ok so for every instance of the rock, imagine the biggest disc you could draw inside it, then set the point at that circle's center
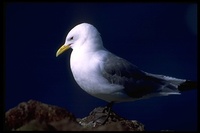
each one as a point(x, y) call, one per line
point(34, 110)
point(36, 125)
point(66, 125)
point(114, 122)
point(37, 116)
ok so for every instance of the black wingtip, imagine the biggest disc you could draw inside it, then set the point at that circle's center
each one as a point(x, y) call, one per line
point(188, 85)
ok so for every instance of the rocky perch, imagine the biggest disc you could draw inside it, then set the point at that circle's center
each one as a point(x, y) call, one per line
point(37, 116)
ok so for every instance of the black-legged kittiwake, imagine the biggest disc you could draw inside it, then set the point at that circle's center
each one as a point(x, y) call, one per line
point(104, 75)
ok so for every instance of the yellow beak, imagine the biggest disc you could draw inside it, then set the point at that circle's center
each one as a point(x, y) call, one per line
point(62, 49)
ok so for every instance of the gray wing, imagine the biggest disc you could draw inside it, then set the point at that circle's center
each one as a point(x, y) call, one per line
point(136, 83)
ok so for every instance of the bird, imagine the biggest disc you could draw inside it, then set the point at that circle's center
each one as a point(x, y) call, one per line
point(109, 77)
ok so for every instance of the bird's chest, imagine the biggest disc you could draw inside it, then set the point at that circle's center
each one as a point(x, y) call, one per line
point(85, 69)
point(82, 64)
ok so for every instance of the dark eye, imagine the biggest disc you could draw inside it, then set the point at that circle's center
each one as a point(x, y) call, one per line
point(71, 38)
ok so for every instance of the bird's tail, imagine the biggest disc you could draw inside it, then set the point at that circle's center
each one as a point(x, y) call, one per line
point(180, 84)
point(187, 85)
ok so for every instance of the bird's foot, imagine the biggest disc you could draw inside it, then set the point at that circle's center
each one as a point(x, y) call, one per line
point(102, 118)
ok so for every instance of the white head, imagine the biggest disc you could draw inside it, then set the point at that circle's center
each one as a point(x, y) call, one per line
point(83, 35)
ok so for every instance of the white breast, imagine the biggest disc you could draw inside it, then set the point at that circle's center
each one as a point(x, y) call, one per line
point(87, 73)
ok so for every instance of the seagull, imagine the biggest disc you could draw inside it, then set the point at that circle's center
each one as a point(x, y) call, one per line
point(109, 77)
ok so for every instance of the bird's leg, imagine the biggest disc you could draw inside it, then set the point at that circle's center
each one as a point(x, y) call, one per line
point(108, 109)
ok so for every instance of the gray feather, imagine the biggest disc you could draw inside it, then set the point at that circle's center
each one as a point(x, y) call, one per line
point(136, 83)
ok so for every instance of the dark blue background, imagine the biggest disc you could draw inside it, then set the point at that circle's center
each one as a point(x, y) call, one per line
point(160, 38)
